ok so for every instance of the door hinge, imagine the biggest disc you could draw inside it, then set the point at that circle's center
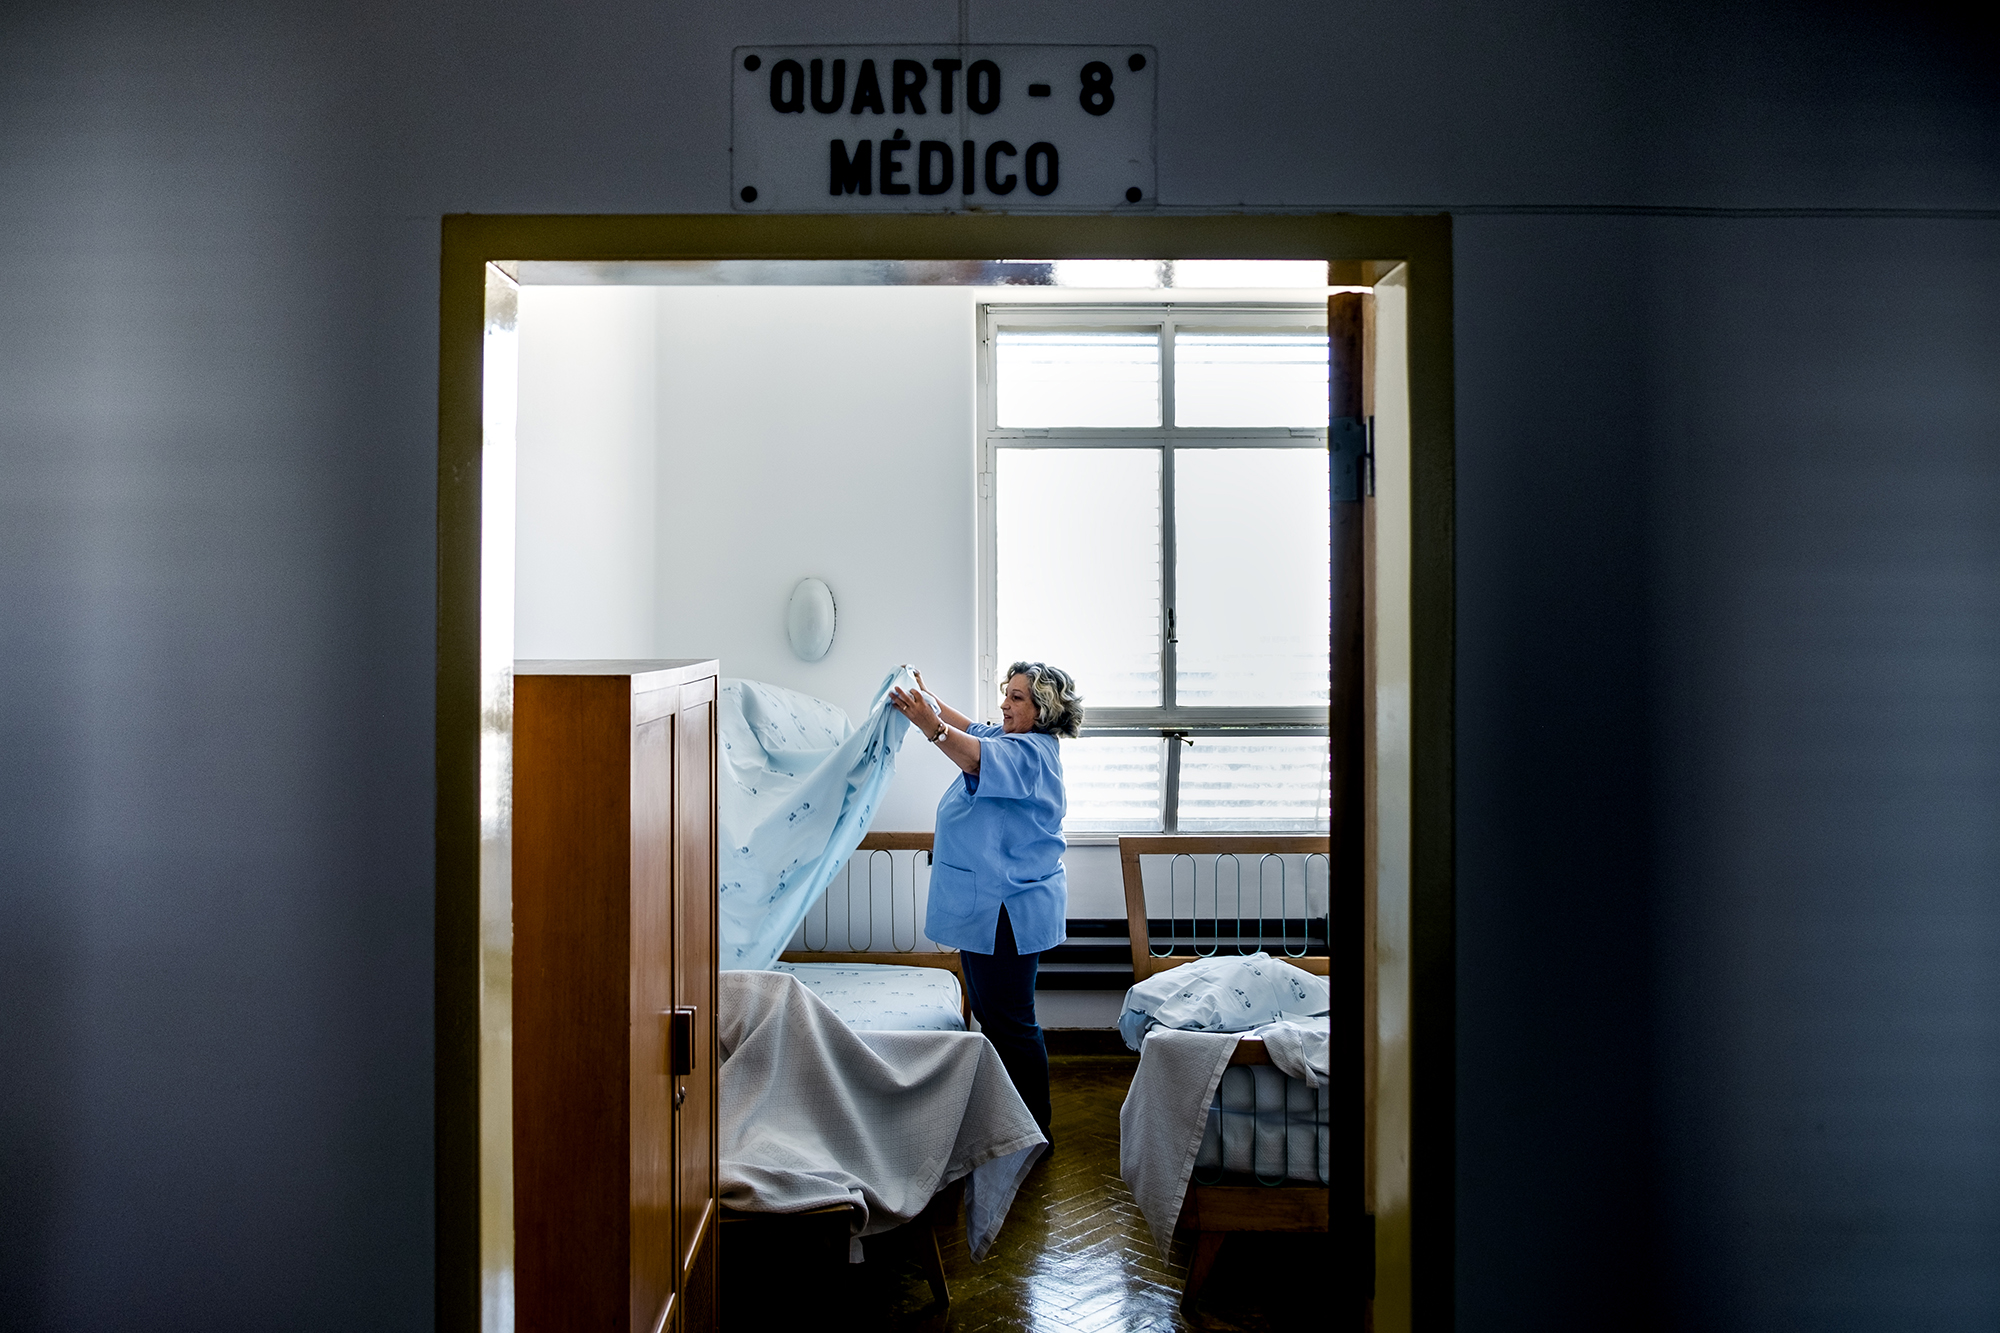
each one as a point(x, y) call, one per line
point(1368, 456)
point(986, 485)
point(1349, 444)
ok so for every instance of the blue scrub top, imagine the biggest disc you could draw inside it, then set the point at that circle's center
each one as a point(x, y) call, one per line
point(999, 842)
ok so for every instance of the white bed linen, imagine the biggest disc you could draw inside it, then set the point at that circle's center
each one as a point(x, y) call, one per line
point(1302, 1047)
point(1225, 993)
point(815, 1113)
point(1161, 1124)
point(882, 997)
point(1176, 1115)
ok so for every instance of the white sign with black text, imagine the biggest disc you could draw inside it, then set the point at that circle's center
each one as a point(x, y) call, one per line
point(821, 129)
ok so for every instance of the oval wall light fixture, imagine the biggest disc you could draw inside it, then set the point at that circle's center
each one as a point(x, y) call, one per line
point(809, 619)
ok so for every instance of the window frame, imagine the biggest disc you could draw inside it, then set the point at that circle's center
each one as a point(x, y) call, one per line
point(1168, 720)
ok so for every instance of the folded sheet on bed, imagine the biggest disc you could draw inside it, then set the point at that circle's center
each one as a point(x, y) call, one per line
point(1226, 993)
point(1301, 1047)
point(1161, 1123)
point(815, 1113)
point(881, 997)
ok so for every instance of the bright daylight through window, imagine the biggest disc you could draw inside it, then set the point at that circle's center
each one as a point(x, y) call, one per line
point(1156, 522)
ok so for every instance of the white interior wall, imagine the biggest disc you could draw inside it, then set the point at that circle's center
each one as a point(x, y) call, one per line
point(688, 454)
point(587, 446)
point(822, 431)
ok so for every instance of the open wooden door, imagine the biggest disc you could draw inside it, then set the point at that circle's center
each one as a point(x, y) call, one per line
point(1348, 444)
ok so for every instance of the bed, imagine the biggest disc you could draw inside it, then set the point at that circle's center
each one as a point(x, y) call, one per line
point(1262, 1162)
point(877, 997)
point(908, 986)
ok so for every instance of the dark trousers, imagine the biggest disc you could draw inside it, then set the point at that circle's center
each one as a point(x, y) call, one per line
point(1001, 986)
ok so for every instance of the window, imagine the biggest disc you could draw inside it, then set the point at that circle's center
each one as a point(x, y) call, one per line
point(1154, 516)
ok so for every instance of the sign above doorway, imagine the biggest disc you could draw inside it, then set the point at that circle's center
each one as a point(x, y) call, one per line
point(925, 129)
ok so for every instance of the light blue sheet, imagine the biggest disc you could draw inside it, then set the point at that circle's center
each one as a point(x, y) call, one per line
point(1225, 993)
point(876, 997)
point(798, 786)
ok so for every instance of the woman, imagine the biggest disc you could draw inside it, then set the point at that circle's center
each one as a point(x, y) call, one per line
point(998, 894)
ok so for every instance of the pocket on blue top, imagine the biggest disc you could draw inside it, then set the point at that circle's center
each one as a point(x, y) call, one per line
point(954, 902)
point(955, 885)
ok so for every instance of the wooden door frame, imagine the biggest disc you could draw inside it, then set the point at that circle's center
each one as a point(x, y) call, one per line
point(1361, 248)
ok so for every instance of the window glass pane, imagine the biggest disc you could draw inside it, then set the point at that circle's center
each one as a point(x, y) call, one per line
point(1080, 379)
point(1253, 587)
point(1113, 783)
point(1255, 784)
point(1079, 568)
point(1250, 379)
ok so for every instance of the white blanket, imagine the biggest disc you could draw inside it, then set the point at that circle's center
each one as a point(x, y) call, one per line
point(814, 1113)
point(1160, 1125)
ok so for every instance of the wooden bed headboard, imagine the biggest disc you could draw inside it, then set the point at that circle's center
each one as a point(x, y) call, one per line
point(1238, 846)
point(945, 958)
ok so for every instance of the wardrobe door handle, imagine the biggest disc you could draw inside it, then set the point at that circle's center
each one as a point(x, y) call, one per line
point(680, 1041)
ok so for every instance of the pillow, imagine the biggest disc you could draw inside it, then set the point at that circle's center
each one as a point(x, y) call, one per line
point(1227, 993)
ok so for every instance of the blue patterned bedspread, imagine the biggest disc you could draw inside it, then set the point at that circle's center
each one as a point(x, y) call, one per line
point(877, 997)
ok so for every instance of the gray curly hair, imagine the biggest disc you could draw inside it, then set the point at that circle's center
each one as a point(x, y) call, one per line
point(1058, 707)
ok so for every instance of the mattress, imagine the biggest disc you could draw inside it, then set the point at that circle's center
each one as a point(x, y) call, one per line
point(880, 997)
point(1264, 1123)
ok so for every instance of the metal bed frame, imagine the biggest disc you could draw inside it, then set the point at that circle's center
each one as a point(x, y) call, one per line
point(882, 890)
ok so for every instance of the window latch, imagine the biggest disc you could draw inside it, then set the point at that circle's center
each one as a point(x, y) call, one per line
point(1173, 631)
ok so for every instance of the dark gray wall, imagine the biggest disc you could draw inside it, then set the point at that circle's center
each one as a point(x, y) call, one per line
point(1730, 773)
point(1730, 581)
point(1828, 713)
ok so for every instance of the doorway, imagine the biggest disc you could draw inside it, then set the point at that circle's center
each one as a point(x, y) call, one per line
point(1406, 261)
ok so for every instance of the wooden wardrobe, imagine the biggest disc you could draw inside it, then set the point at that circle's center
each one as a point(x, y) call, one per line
point(615, 1214)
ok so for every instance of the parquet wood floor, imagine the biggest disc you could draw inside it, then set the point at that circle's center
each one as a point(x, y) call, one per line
point(1074, 1257)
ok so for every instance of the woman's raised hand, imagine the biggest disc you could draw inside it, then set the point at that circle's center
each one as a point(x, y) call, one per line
point(915, 707)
